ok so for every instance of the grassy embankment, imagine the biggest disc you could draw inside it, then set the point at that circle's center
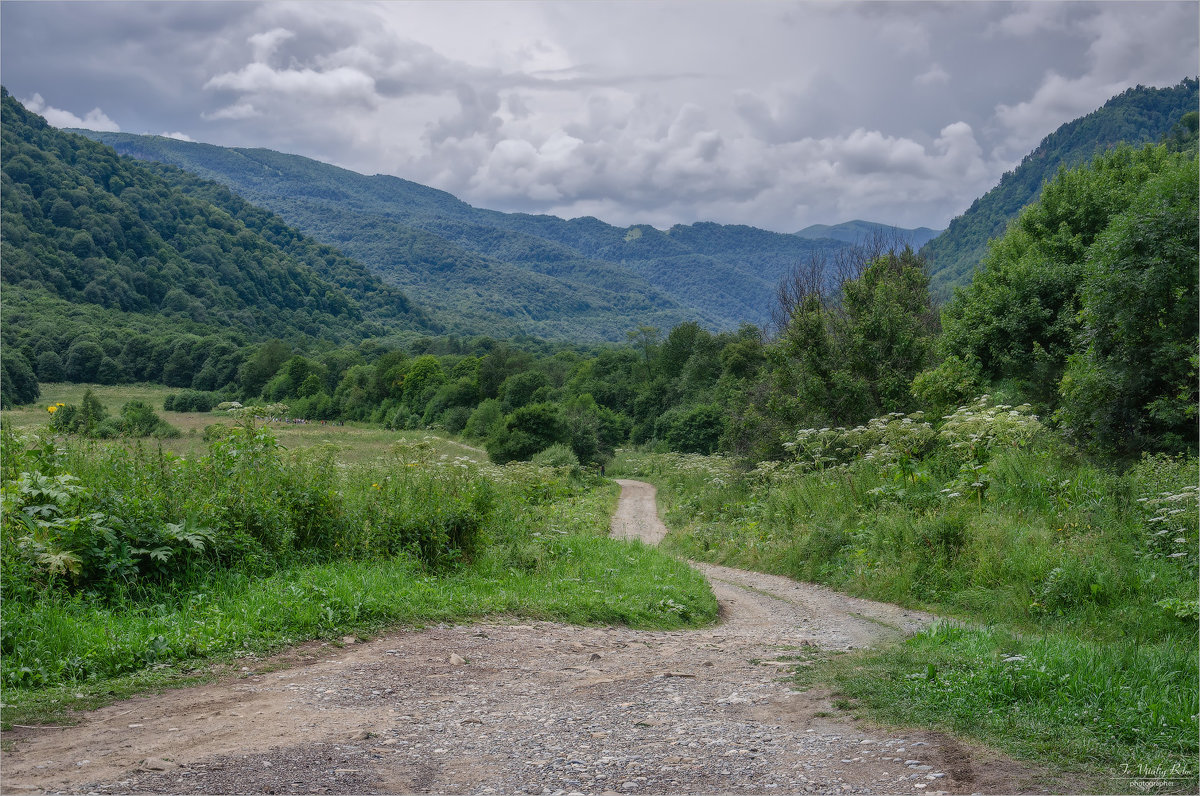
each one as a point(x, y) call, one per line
point(1072, 586)
point(130, 565)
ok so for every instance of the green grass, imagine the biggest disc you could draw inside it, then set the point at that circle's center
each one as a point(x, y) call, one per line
point(577, 578)
point(1114, 713)
point(354, 443)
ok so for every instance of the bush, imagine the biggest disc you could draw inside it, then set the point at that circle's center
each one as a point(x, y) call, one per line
point(191, 401)
point(694, 430)
point(952, 383)
point(558, 455)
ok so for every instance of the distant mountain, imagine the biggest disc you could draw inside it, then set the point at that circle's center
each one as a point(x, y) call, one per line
point(858, 232)
point(1136, 116)
point(137, 261)
point(484, 271)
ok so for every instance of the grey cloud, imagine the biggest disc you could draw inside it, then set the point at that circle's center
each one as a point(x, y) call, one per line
point(777, 114)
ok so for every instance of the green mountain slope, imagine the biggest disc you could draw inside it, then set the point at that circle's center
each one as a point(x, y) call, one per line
point(504, 273)
point(105, 248)
point(856, 232)
point(1135, 116)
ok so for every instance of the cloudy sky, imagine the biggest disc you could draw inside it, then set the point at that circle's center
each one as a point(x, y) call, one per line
point(776, 114)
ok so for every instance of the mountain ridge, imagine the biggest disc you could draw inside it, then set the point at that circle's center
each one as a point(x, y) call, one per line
point(718, 275)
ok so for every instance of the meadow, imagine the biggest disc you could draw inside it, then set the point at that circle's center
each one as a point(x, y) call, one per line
point(1069, 587)
point(133, 564)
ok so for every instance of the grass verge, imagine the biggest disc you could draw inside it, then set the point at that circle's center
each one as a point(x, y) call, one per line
point(1120, 715)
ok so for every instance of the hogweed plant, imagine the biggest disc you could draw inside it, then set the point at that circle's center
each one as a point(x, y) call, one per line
point(974, 432)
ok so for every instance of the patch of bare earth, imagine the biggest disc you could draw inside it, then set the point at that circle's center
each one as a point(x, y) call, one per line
point(536, 708)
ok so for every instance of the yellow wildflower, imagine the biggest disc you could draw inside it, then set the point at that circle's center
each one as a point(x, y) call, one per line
point(51, 409)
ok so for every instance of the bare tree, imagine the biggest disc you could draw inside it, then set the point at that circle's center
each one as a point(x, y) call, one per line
point(817, 281)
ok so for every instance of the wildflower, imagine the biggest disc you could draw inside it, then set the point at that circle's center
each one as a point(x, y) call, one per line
point(51, 409)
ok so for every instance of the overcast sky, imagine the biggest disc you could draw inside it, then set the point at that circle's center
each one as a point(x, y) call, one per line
point(775, 114)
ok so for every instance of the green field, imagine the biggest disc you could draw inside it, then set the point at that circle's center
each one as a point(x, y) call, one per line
point(355, 442)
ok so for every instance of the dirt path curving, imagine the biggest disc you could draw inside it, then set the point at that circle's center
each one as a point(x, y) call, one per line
point(537, 708)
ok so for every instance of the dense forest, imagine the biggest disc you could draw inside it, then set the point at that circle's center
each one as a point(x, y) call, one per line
point(1136, 116)
point(113, 273)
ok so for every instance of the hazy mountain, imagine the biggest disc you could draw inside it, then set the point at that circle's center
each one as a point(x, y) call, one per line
point(858, 232)
point(504, 273)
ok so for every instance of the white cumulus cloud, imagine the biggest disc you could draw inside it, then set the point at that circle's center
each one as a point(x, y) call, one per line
point(95, 119)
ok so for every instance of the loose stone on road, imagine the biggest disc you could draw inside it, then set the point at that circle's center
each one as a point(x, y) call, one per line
point(536, 708)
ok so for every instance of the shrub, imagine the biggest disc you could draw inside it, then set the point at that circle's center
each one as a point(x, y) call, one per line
point(558, 455)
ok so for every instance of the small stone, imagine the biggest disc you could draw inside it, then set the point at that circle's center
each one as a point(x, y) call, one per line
point(594, 657)
point(349, 639)
point(456, 659)
point(135, 726)
point(155, 764)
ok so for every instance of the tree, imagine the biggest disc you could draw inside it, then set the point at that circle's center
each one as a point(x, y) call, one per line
point(694, 429)
point(50, 367)
point(518, 389)
point(18, 385)
point(421, 382)
point(83, 361)
point(256, 371)
point(526, 431)
point(1019, 319)
point(888, 329)
point(1132, 384)
point(846, 359)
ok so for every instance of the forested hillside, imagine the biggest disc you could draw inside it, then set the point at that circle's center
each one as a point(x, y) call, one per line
point(112, 272)
point(1135, 116)
point(498, 273)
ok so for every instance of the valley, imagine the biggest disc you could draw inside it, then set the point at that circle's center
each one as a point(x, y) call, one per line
point(314, 480)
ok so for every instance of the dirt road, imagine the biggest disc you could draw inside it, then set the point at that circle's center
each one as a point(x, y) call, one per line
point(528, 708)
